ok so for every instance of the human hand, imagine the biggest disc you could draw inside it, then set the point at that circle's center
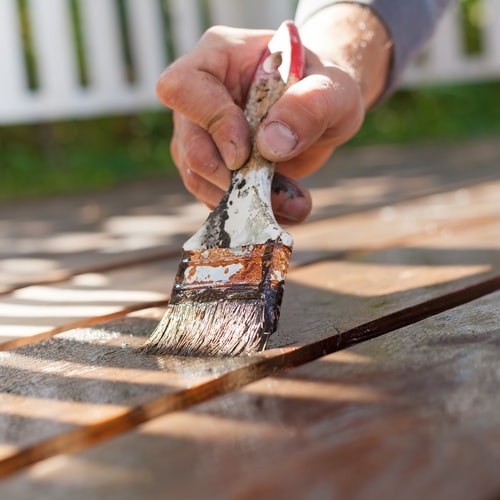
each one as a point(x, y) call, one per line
point(207, 88)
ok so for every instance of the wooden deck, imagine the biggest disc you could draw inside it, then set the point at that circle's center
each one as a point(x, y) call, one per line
point(382, 382)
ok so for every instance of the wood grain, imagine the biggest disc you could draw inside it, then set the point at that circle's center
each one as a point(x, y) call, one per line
point(376, 256)
point(409, 415)
point(328, 305)
point(147, 396)
point(51, 241)
point(111, 291)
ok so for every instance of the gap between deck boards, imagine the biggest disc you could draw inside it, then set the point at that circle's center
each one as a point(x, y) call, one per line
point(266, 365)
point(262, 365)
point(169, 254)
point(157, 255)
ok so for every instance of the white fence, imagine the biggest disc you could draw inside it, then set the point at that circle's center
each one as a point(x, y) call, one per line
point(69, 58)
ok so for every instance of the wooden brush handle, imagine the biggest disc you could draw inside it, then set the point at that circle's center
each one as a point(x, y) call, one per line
point(245, 216)
point(281, 65)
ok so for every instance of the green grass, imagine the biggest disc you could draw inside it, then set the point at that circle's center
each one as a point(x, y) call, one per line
point(88, 155)
point(76, 156)
point(441, 113)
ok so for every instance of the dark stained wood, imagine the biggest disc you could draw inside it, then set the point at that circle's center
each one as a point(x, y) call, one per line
point(435, 219)
point(84, 298)
point(50, 240)
point(328, 305)
point(412, 414)
point(395, 224)
point(375, 257)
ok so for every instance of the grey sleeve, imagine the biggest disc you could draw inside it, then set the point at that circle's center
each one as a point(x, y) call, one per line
point(409, 22)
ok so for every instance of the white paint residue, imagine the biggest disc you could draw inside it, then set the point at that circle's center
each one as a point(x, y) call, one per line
point(251, 218)
point(277, 275)
point(213, 273)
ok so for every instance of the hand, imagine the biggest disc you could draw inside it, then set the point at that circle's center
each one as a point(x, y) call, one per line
point(207, 88)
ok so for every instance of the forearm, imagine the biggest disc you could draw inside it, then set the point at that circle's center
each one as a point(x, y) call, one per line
point(352, 36)
point(408, 23)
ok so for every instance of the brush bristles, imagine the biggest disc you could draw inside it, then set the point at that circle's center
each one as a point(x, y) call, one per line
point(225, 301)
point(222, 328)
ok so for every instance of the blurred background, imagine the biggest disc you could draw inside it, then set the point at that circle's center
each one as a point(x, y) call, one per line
point(78, 110)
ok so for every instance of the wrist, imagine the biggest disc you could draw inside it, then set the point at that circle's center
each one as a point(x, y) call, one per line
point(351, 36)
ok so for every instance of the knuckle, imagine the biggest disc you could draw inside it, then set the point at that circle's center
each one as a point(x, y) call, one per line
point(337, 104)
point(322, 102)
point(215, 32)
point(197, 156)
point(220, 119)
point(225, 123)
point(200, 153)
point(170, 85)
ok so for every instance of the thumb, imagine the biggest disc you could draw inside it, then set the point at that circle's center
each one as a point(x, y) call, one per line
point(319, 106)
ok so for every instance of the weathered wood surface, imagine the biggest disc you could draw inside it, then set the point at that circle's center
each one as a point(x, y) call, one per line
point(440, 217)
point(374, 258)
point(94, 374)
point(410, 415)
point(53, 239)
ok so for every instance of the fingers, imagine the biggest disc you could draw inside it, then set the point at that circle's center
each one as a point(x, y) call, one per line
point(204, 174)
point(209, 84)
point(206, 89)
point(199, 162)
point(211, 108)
point(208, 181)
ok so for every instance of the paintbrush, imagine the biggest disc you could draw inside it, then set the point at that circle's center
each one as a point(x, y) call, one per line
point(229, 286)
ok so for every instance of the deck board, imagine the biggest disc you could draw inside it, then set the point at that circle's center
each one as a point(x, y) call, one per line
point(409, 255)
point(98, 368)
point(431, 220)
point(52, 239)
point(411, 414)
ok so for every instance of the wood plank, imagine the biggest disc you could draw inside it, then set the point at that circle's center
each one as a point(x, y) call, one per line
point(436, 221)
point(33, 312)
point(68, 235)
point(317, 317)
point(429, 215)
point(380, 175)
point(411, 414)
point(328, 305)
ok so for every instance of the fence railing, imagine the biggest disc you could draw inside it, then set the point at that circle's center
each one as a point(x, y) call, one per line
point(447, 57)
point(73, 58)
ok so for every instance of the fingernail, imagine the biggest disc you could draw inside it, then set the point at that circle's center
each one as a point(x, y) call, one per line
point(294, 209)
point(278, 138)
point(290, 202)
point(228, 152)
